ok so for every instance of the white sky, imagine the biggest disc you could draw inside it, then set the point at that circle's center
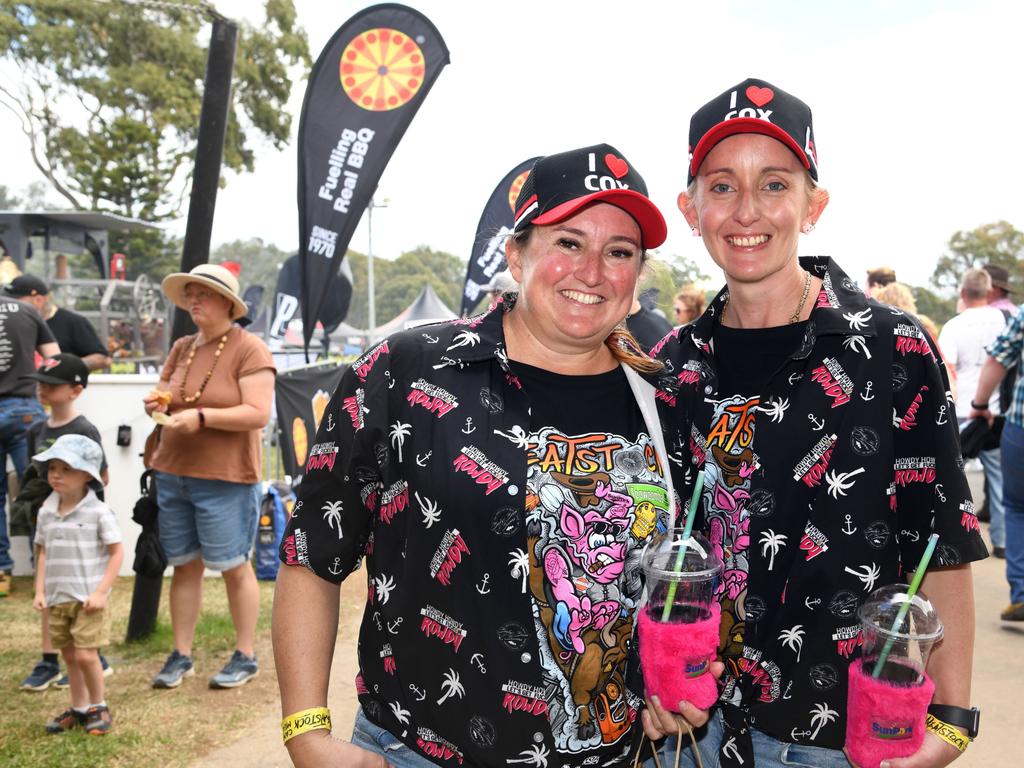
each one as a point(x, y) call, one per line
point(918, 109)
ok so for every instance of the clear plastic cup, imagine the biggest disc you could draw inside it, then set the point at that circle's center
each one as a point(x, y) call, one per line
point(905, 646)
point(681, 575)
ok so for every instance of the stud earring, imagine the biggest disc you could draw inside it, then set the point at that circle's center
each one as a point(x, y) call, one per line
point(807, 228)
point(695, 231)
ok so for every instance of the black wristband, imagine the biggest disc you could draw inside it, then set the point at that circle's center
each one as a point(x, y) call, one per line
point(977, 407)
point(967, 719)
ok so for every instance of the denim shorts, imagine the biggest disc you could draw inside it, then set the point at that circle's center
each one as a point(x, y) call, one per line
point(768, 752)
point(212, 519)
point(379, 741)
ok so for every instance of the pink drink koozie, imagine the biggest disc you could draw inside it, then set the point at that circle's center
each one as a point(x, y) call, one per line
point(676, 659)
point(884, 720)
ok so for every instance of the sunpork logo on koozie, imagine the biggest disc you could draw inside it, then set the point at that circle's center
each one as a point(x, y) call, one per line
point(432, 397)
point(882, 728)
point(695, 668)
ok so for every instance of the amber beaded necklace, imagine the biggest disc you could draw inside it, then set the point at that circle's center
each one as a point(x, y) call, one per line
point(209, 373)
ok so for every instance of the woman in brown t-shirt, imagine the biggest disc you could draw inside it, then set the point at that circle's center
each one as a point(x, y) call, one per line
point(215, 392)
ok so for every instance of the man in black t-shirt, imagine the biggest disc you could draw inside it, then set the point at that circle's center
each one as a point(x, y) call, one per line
point(73, 332)
point(22, 334)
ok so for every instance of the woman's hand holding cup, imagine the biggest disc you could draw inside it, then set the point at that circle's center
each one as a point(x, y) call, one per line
point(659, 722)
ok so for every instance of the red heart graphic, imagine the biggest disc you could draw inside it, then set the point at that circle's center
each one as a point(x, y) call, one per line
point(616, 165)
point(760, 96)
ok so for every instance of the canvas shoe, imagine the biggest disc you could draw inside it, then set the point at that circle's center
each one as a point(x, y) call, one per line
point(43, 673)
point(107, 672)
point(238, 671)
point(176, 668)
point(98, 720)
point(65, 721)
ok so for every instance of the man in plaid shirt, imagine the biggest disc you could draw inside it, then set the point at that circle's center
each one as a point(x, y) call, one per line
point(1004, 352)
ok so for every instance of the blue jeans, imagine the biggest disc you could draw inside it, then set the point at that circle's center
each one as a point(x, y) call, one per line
point(212, 519)
point(992, 462)
point(768, 752)
point(17, 414)
point(1012, 446)
point(375, 739)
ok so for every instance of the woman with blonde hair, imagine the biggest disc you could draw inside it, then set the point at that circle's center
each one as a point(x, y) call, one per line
point(688, 304)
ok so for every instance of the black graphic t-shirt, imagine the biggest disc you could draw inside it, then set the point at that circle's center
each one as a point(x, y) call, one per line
point(500, 545)
point(746, 359)
point(854, 462)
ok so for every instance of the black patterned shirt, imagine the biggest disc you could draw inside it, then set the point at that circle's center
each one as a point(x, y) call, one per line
point(502, 554)
point(851, 459)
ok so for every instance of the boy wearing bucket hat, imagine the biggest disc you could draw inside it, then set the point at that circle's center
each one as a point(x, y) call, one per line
point(75, 584)
point(60, 381)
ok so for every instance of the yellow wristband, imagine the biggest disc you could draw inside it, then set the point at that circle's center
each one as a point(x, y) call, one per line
point(315, 719)
point(948, 733)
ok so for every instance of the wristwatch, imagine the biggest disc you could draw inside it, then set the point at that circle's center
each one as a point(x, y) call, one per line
point(965, 719)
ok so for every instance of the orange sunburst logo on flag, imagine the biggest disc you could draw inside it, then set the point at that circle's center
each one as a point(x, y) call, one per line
point(513, 191)
point(382, 69)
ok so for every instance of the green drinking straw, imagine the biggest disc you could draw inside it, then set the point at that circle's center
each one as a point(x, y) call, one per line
point(915, 582)
point(694, 499)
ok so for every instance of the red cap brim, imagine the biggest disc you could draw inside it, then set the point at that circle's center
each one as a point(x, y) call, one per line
point(653, 229)
point(743, 125)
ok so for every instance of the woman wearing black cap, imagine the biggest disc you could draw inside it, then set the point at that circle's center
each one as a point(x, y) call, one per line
point(820, 418)
point(501, 475)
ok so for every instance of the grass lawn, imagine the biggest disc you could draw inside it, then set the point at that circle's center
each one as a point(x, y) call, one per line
point(152, 728)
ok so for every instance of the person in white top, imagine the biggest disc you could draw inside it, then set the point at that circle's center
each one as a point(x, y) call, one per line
point(963, 341)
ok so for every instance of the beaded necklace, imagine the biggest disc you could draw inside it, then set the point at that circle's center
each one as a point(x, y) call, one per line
point(209, 373)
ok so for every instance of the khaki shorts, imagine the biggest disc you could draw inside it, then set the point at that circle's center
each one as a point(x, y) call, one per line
point(70, 624)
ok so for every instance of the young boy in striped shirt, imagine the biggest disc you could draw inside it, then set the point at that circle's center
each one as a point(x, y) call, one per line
point(80, 553)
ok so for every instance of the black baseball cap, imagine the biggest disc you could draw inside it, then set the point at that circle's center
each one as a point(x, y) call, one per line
point(560, 185)
point(26, 285)
point(64, 368)
point(753, 106)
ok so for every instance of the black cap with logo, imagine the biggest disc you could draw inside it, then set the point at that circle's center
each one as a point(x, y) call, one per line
point(560, 185)
point(26, 285)
point(753, 106)
point(64, 368)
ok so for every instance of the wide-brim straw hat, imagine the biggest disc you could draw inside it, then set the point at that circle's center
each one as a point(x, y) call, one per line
point(214, 277)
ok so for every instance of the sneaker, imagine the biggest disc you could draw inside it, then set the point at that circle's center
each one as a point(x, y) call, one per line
point(175, 669)
point(107, 672)
point(65, 721)
point(44, 673)
point(238, 671)
point(98, 720)
point(5, 583)
point(1013, 612)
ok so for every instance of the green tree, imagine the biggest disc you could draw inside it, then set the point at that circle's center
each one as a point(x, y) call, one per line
point(996, 243)
point(931, 304)
point(668, 274)
point(110, 94)
point(260, 263)
point(399, 282)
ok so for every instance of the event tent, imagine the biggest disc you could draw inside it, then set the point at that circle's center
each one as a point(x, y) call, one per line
point(427, 308)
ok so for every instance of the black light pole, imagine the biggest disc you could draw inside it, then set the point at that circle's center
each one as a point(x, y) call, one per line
point(213, 121)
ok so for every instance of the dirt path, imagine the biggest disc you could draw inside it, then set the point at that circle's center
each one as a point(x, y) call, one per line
point(998, 681)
